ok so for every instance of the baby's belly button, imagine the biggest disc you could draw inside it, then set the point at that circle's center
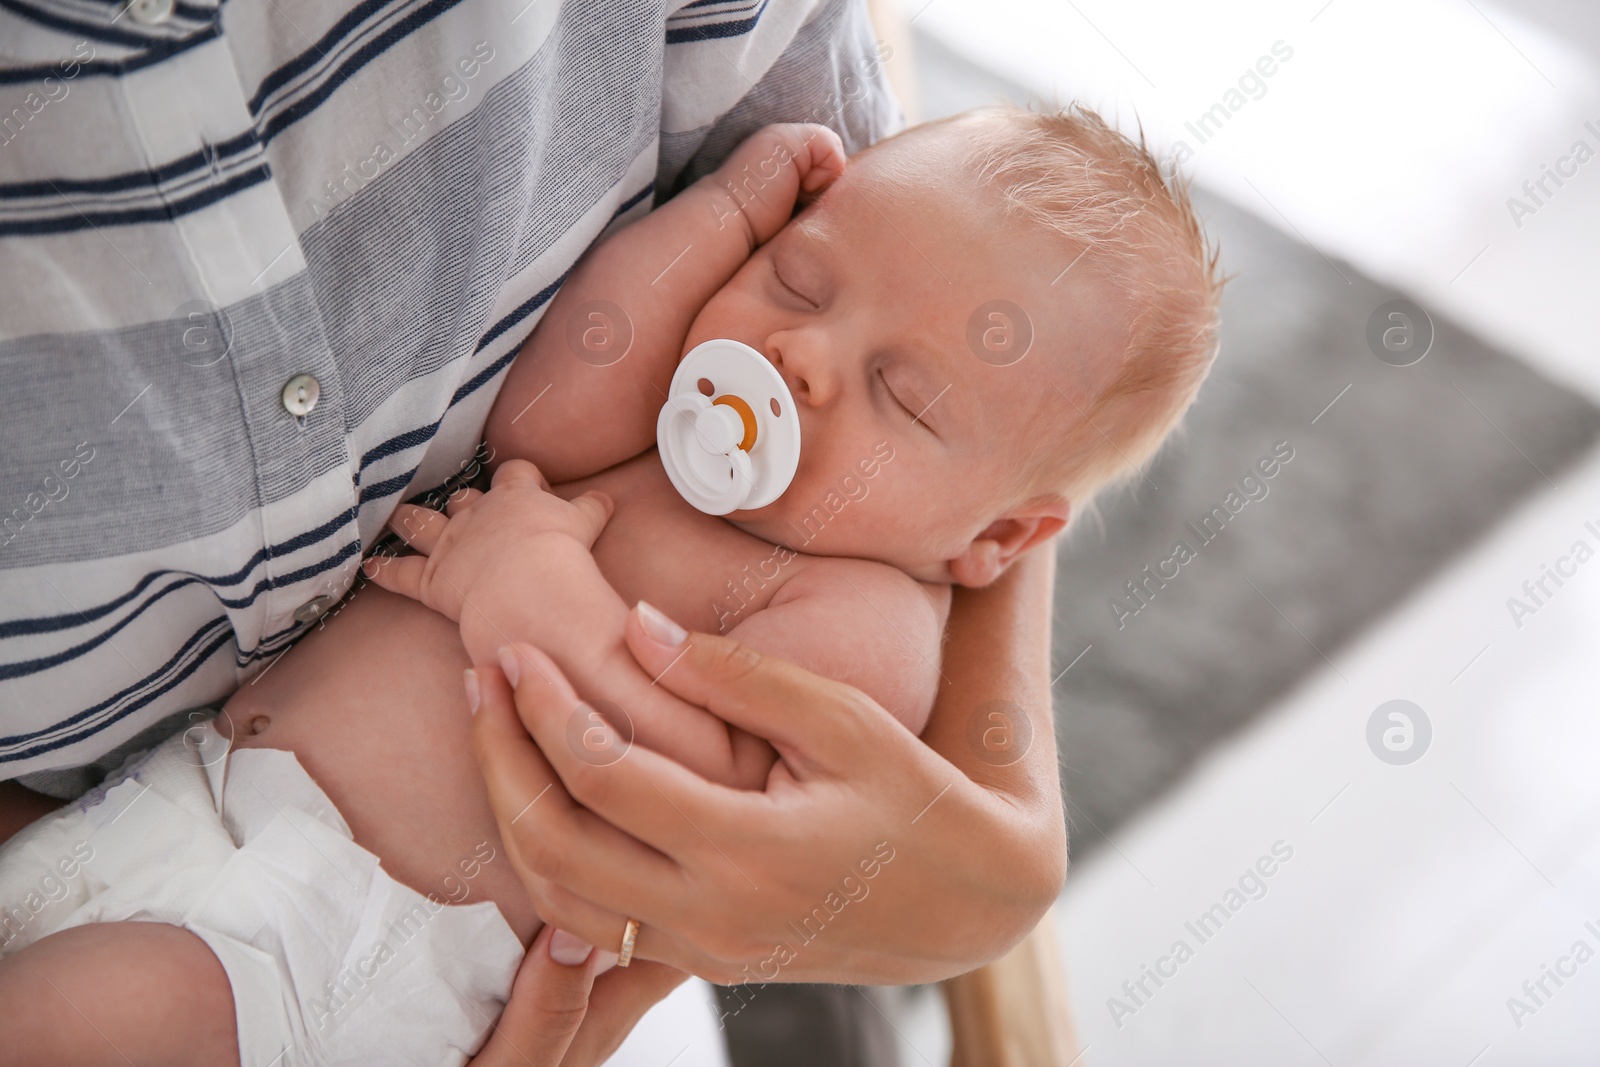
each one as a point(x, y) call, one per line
point(245, 728)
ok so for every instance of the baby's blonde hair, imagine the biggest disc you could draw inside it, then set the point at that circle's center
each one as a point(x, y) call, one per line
point(1103, 194)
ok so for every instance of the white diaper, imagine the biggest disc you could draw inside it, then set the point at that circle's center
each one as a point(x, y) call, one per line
point(331, 961)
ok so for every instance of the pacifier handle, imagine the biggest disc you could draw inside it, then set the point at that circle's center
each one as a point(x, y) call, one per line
point(727, 497)
point(740, 446)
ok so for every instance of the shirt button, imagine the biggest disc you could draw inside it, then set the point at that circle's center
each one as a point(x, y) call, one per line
point(151, 12)
point(300, 395)
point(312, 609)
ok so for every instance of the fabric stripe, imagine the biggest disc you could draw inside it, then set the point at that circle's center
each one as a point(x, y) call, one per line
point(153, 54)
point(306, 104)
point(328, 42)
point(179, 189)
point(422, 434)
point(715, 30)
point(205, 643)
point(51, 623)
point(26, 667)
point(400, 442)
point(158, 502)
point(224, 151)
point(79, 220)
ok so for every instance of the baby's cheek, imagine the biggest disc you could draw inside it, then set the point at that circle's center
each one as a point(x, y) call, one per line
point(731, 311)
point(712, 320)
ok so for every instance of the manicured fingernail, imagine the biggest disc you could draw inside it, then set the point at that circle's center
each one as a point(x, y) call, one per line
point(469, 679)
point(605, 961)
point(509, 665)
point(569, 950)
point(658, 627)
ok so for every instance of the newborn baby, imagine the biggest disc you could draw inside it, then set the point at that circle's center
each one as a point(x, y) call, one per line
point(981, 322)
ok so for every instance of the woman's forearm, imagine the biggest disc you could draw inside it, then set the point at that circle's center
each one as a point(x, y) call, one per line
point(994, 720)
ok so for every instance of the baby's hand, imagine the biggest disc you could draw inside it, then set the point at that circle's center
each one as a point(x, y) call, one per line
point(465, 557)
point(773, 169)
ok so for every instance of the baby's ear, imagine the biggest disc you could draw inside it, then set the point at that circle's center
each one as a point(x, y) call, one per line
point(1003, 540)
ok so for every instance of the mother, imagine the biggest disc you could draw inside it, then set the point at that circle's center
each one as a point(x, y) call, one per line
point(265, 265)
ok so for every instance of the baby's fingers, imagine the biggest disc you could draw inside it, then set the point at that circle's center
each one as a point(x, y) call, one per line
point(418, 527)
point(518, 471)
point(595, 509)
point(825, 163)
point(461, 500)
point(398, 574)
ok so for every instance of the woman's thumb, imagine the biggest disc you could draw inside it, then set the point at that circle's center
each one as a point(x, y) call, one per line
point(549, 999)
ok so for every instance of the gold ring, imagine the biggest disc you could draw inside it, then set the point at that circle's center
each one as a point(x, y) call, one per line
point(630, 933)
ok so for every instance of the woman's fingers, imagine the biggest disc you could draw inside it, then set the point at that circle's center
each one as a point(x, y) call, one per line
point(639, 792)
point(548, 836)
point(616, 1004)
point(604, 927)
point(548, 1003)
point(513, 766)
point(529, 801)
point(769, 697)
point(565, 909)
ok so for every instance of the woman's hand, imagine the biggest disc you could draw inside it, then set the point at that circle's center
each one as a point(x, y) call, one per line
point(573, 1011)
point(871, 856)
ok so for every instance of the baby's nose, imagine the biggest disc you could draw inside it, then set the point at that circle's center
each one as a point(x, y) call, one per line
point(806, 373)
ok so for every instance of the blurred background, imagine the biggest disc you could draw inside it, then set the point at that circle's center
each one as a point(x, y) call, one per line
point(1438, 861)
point(1349, 758)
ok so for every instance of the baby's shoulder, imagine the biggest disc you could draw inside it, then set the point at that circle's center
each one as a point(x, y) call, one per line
point(870, 586)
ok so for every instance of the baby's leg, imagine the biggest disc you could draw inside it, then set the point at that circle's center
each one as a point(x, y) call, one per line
point(19, 807)
point(116, 993)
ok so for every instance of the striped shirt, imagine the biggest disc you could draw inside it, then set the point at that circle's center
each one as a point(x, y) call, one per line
point(263, 266)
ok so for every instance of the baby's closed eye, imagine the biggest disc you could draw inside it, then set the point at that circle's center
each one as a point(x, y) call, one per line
point(790, 288)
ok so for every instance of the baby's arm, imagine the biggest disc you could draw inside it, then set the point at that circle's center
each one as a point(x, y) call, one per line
point(554, 597)
point(861, 623)
point(658, 273)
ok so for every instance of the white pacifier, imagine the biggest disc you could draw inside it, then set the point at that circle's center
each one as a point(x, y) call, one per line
point(729, 435)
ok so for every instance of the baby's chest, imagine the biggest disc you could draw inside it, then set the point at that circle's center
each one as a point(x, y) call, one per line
point(701, 570)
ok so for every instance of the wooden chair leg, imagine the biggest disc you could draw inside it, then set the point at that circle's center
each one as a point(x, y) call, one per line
point(1014, 1012)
